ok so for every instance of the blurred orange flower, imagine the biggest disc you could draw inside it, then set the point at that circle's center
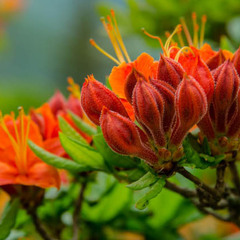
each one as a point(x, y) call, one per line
point(18, 164)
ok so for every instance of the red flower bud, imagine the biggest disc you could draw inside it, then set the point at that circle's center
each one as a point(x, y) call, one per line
point(168, 94)
point(74, 105)
point(57, 103)
point(131, 81)
point(95, 96)
point(148, 105)
point(122, 135)
point(227, 85)
point(200, 71)
point(191, 106)
point(170, 71)
point(216, 60)
point(234, 125)
point(236, 60)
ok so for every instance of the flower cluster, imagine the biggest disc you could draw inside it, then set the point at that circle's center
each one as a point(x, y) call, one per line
point(19, 165)
point(153, 105)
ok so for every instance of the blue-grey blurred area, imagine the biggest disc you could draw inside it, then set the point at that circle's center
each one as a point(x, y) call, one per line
point(47, 41)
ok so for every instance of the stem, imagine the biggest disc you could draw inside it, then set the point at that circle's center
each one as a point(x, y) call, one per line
point(198, 182)
point(220, 177)
point(235, 175)
point(182, 191)
point(38, 225)
point(77, 212)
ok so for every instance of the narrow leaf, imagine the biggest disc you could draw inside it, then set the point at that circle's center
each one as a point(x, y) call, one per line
point(69, 131)
point(55, 161)
point(82, 154)
point(89, 130)
point(145, 181)
point(8, 219)
point(154, 190)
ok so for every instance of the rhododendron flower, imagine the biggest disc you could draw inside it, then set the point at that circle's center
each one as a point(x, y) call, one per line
point(18, 164)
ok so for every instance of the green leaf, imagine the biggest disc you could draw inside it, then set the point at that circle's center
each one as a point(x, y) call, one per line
point(55, 161)
point(8, 219)
point(82, 154)
point(154, 190)
point(207, 157)
point(86, 128)
point(109, 205)
point(192, 156)
point(145, 181)
point(131, 175)
point(114, 159)
point(69, 131)
point(206, 147)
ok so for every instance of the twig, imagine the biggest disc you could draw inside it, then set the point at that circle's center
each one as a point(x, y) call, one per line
point(198, 182)
point(77, 212)
point(235, 175)
point(182, 191)
point(38, 226)
point(220, 177)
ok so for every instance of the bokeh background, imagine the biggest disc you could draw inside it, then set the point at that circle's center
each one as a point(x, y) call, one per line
point(43, 42)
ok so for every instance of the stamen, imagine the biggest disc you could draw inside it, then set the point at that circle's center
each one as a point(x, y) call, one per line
point(119, 37)
point(171, 48)
point(93, 43)
point(25, 143)
point(15, 127)
point(185, 29)
point(180, 38)
point(155, 37)
point(195, 29)
point(204, 19)
point(167, 44)
point(181, 51)
point(73, 88)
point(113, 40)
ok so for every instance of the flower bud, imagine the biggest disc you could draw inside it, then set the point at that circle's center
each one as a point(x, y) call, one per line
point(148, 105)
point(191, 106)
point(170, 71)
point(216, 60)
point(227, 85)
point(236, 60)
point(131, 81)
point(168, 94)
point(123, 137)
point(95, 95)
point(234, 125)
point(57, 103)
point(74, 105)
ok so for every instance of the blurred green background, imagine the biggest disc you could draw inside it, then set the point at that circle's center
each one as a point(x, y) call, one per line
point(46, 41)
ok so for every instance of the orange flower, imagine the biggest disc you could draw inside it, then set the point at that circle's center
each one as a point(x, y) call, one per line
point(144, 64)
point(18, 164)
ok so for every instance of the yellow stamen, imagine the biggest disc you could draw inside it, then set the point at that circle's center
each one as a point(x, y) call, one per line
point(15, 127)
point(119, 37)
point(195, 29)
point(204, 19)
point(185, 29)
point(171, 48)
point(167, 44)
point(180, 38)
point(74, 88)
point(93, 43)
point(181, 51)
point(113, 40)
point(23, 141)
point(155, 37)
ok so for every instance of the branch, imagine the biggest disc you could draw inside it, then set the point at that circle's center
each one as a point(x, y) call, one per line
point(187, 193)
point(77, 212)
point(220, 185)
point(235, 175)
point(198, 182)
point(38, 225)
